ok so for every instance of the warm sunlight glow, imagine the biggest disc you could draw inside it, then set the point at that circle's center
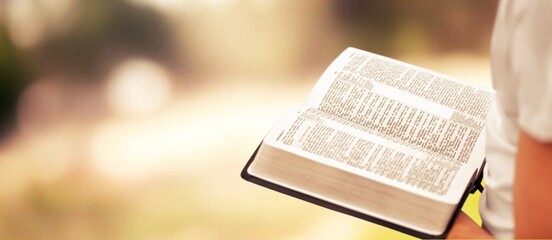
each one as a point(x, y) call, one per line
point(133, 119)
point(132, 150)
point(186, 136)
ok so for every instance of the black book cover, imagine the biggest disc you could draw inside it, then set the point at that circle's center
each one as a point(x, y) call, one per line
point(473, 185)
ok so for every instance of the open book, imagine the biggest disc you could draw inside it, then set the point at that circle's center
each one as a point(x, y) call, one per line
point(382, 140)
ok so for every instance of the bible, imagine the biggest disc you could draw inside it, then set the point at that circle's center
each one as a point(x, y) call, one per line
point(382, 140)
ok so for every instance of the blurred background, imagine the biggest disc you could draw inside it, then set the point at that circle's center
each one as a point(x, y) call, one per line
point(132, 119)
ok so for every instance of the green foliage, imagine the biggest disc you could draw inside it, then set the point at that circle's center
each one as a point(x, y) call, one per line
point(13, 77)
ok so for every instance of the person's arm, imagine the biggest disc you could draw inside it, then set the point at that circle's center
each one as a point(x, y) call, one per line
point(532, 194)
point(533, 189)
point(464, 227)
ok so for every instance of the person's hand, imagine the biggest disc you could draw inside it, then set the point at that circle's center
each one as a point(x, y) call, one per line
point(464, 227)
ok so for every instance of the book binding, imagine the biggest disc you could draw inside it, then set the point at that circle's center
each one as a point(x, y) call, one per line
point(473, 186)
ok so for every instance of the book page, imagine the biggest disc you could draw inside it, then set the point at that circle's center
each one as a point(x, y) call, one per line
point(322, 137)
point(414, 107)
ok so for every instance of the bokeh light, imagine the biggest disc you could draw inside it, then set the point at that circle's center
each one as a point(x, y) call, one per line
point(138, 87)
point(132, 119)
point(26, 26)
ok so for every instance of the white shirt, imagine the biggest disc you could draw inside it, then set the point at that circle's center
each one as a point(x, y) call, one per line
point(521, 57)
